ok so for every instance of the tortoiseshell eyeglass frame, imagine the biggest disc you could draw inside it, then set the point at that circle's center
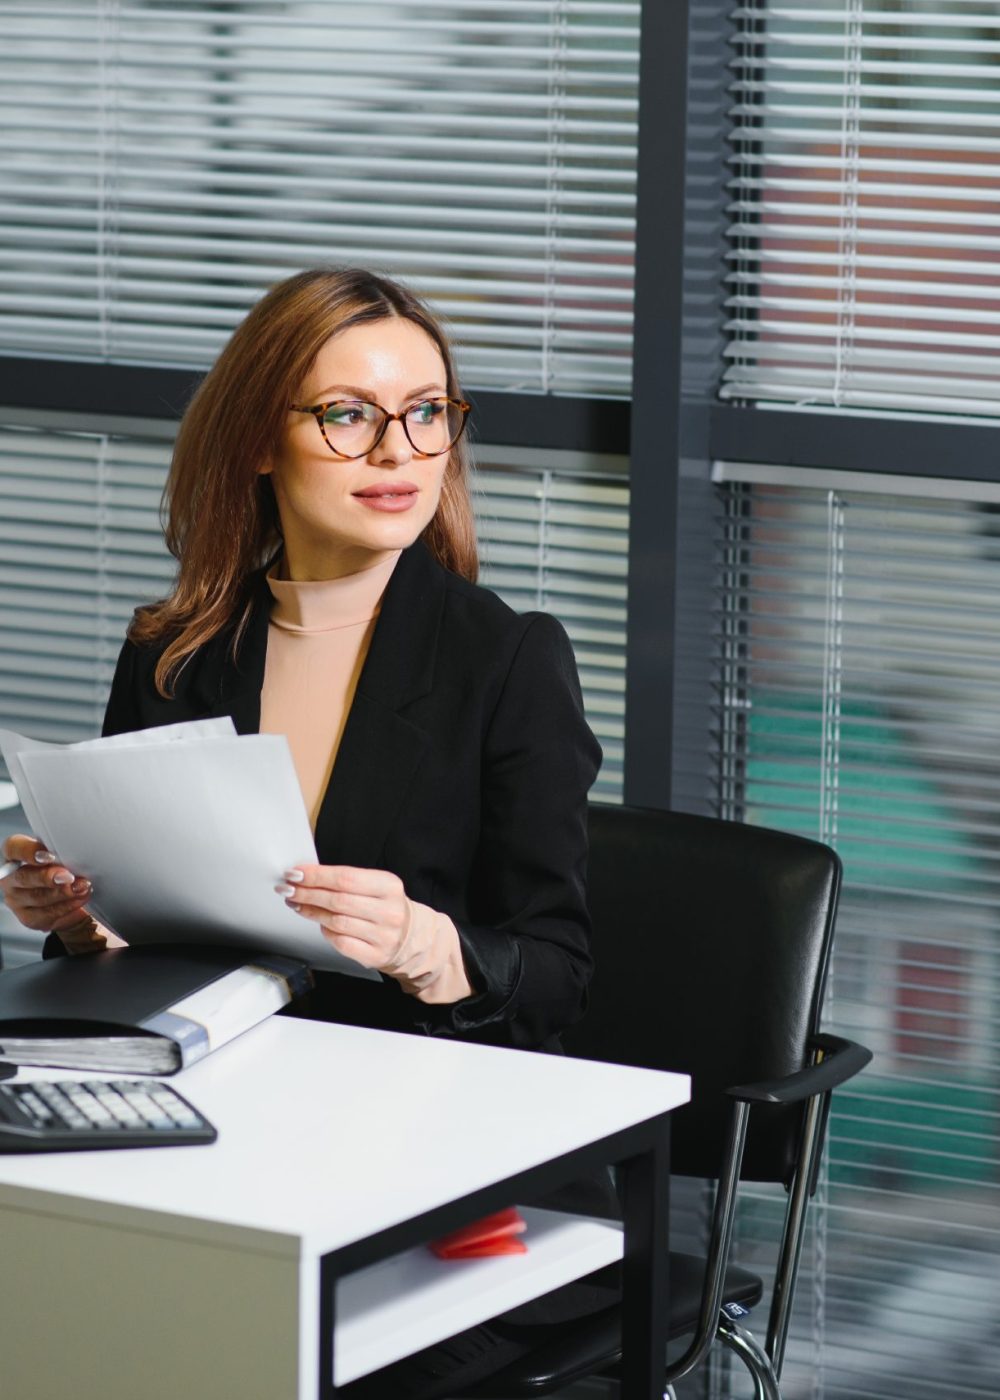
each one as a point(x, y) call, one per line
point(319, 411)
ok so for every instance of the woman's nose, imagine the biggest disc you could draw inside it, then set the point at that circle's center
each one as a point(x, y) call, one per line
point(395, 446)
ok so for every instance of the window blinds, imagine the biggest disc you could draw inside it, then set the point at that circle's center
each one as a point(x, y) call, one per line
point(859, 669)
point(80, 547)
point(163, 163)
point(865, 236)
point(558, 543)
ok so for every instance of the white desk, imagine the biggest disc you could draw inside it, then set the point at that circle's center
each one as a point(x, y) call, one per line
point(213, 1271)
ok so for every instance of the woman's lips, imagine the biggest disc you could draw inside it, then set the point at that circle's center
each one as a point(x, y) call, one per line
point(400, 495)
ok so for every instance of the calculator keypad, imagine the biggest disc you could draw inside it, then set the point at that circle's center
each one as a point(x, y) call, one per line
point(96, 1113)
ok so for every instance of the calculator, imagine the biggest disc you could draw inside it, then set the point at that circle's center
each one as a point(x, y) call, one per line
point(81, 1115)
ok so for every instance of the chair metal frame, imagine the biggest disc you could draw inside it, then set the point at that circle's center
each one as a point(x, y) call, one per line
point(835, 1061)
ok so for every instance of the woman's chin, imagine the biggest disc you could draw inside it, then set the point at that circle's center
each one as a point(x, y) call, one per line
point(392, 528)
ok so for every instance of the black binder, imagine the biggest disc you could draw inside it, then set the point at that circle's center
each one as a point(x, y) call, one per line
point(115, 1010)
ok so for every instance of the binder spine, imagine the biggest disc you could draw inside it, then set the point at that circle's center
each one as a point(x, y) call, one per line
point(190, 1038)
point(297, 976)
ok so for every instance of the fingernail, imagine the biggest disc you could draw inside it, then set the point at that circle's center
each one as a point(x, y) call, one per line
point(81, 886)
point(63, 878)
point(292, 905)
point(284, 889)
point(44, 857)
point(295, 877)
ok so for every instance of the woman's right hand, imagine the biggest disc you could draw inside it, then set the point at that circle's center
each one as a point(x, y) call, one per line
point(44, 895)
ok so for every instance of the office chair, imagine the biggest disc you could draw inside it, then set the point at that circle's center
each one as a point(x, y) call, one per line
point(712, 941)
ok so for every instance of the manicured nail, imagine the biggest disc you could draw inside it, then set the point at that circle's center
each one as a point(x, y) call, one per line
point(44, 857)
point(284, 889)
point(63, 878)
point(292, 905)
point(81, 886)
point(295, 877)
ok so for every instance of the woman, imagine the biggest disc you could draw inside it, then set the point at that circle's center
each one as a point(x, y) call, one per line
point(319, 510)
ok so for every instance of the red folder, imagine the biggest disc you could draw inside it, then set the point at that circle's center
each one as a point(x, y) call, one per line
point(494, 1234)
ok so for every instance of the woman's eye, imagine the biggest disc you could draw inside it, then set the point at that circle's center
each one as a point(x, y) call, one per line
point(425, 412)
point(347, 415)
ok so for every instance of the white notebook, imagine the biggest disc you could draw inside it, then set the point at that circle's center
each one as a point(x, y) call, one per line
point(183, 831)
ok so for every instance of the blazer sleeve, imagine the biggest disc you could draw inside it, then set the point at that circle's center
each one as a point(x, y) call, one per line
point(526, 943)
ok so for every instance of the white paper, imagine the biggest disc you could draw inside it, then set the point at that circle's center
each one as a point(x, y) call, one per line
point(12, 746)
point(186, 732)
point(183, 838)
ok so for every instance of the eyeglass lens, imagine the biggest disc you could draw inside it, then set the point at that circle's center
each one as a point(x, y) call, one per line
point(432, 426)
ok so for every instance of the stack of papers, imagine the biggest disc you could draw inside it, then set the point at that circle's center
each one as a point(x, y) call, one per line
point(183, 831)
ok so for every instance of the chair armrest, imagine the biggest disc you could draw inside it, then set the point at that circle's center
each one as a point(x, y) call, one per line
point(842, 1059)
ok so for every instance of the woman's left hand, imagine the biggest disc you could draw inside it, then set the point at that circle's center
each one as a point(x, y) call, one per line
point(367, 916)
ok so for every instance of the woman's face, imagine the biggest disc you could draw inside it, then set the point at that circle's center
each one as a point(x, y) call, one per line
point(339, 516)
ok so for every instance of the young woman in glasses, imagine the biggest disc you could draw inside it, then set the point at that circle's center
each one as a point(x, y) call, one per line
point(320, 514)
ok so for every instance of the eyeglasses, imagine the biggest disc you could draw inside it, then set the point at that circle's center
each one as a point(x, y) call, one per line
point(354, 427)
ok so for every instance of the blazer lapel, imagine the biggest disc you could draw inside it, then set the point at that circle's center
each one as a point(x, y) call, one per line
point(381, 748)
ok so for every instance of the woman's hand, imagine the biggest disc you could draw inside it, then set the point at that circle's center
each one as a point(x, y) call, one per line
point(367, 916)
point(44, 895)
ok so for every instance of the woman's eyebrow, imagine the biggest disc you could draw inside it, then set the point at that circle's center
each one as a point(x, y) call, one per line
point(369, 397)
point(351, 389)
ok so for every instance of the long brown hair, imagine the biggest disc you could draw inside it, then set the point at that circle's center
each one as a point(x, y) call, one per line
point(220, 516)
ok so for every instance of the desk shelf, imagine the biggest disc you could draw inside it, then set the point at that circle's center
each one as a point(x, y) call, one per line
point(414, 1299)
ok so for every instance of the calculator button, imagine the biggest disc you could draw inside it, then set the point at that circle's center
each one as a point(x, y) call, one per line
point(87, 1104)
point(140, 1101)
point(96, 1112)
point(38, 1111)
point(62, 1107)
point(123, 1114)
point(178, 1112)
point(49, 1093)
point(184, 1118)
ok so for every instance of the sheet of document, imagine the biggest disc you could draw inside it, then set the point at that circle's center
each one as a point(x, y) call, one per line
point(13, 745)
point(183, 831)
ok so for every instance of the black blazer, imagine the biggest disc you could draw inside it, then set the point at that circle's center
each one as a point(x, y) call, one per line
point(464, 767)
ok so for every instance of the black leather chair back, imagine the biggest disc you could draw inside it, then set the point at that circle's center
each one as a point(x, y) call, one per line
point(712, 940)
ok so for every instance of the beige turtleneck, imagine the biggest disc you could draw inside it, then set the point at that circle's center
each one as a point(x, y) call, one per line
point(317, 641)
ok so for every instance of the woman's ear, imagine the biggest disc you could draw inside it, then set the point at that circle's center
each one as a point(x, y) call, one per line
point(265, 468)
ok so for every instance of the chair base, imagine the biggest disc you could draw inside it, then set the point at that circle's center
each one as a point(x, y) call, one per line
point(592, 1346)
point(753, 1356)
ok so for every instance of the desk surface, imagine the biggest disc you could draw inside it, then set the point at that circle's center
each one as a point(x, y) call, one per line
point(329, 1134)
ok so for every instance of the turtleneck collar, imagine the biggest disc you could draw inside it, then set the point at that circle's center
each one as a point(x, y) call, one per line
point(331, 603)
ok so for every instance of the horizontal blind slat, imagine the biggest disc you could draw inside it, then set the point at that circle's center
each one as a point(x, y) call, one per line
point(537, 106)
